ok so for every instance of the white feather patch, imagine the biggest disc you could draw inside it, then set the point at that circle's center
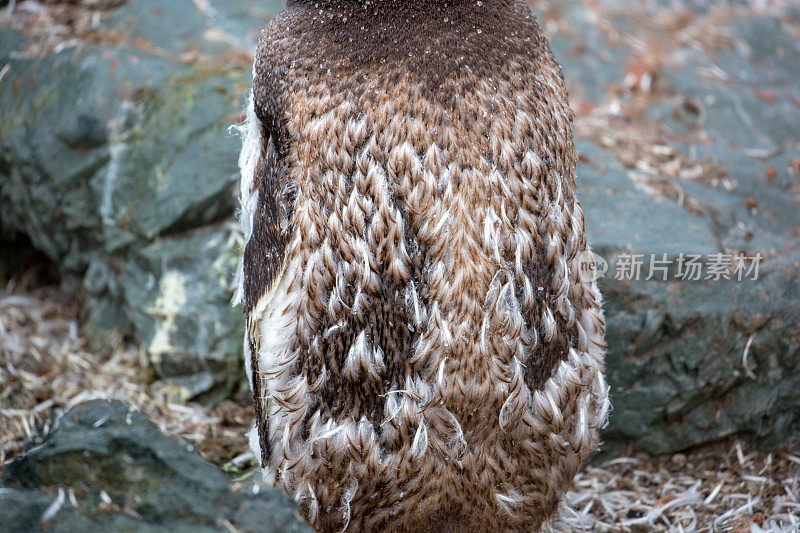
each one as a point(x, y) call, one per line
point(248, 194)
point(254, 441)
point(420, 444)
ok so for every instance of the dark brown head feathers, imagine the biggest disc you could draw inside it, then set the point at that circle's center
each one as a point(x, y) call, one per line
point(431, 40)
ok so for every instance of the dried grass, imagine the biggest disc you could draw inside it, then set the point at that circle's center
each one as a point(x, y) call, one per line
point(47, 366)
point(720, 489)
point(56, 24)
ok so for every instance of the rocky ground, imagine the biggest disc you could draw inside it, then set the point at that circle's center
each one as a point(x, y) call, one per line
point(98, 464)
point(88, 457)
point(117, 167)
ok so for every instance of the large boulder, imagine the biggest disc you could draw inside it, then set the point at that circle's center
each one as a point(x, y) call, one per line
point(114, 151)
point(689, 362)
point(107, 467)
point(704, 160)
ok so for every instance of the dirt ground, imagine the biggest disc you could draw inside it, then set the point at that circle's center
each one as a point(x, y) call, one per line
point(47, 365)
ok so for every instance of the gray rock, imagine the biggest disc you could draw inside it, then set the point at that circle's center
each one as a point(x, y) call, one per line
point(593, 66)
point(693, 362)
point(143, 149)
point(112, 153)
point(106, 451)
point(676, 349)
point(175, 292)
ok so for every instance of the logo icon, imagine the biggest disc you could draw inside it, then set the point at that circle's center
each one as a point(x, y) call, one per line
point(591, 266)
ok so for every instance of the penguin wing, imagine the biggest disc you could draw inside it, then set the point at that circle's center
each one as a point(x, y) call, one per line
point(265, 251)
point(266, 222)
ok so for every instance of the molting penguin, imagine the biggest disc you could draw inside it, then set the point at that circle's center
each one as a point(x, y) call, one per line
point(422, 350)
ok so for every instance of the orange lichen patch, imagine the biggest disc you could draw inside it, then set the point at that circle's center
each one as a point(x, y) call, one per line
point(766, 96)
point(771, 173)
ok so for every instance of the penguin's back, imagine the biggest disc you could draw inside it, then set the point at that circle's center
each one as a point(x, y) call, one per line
point(421, 348)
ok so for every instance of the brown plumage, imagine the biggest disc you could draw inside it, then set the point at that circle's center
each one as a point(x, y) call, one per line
point(422, 351)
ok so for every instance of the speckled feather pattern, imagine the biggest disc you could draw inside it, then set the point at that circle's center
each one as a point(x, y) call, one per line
point(422, 351)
